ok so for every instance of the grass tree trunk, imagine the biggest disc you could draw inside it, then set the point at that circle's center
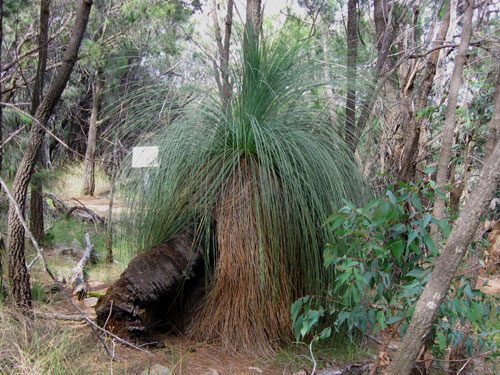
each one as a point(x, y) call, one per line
point(451, 112)
point(36, 206)
point(352, 59)
point(89, 163)
point(18, 273)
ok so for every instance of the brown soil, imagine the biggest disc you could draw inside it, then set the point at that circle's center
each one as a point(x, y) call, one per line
point(97, 204)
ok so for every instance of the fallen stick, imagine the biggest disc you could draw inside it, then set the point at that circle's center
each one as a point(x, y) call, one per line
point(79, 279)
point(94, 327)
point(84, 208)
point(359, 368)
point(63, 209)
point(71, 317)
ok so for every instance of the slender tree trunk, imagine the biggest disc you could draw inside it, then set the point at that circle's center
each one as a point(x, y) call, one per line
point(449, 123)
point(253, 21)
point(327, 75)
point(1, 131)
point(109, 228)
point(1, 120)
point(18, 273)
point(494, 131)
point(351, 64)
point(383, 21)
point(407, 168)
point(222, 71)
point(36, 206)
point(89, 163)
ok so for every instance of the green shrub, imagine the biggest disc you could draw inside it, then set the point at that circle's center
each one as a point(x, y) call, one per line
point(383, 254)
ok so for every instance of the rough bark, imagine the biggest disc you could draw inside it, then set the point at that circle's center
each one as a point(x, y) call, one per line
point(222, 71)
point(383, 21)
point(351, 64)
point(1, 121)
point(451, 111)
point(146, 291)
point(36, 204)
point(253, 20)
point(448, 262)
point(494, 131)
point(408, 162)
point(17, 266)
point(89, 163)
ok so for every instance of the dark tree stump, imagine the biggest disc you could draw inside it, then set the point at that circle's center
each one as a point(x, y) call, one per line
point(155, 291)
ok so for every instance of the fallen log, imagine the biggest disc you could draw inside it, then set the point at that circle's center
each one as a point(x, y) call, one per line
point(89, 216)
point(54, 316)
point(155, 291)
point(79, 279)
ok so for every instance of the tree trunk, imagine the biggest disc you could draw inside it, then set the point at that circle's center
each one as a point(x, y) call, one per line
point(18, 273)
point(253, 21)
point(406, 171)
point(89, 163)
point(328, 76)
point(222, 71)
point(451, 111)
point(36, 206)
point(351, 64)
point(135, 303)
point(383, 21)
point(494, 131)
point(1, 121)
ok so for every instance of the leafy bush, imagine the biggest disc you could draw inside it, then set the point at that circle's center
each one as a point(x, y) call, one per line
point(383, 255)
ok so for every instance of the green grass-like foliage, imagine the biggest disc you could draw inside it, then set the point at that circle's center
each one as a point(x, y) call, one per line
point(270, 167)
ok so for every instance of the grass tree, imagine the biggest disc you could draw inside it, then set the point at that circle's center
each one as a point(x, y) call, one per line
point(257, 178)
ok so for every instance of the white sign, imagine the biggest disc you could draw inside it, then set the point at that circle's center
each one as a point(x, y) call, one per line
point(145, 157)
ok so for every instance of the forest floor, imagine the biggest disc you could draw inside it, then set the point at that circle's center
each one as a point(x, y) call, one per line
point(177, 353)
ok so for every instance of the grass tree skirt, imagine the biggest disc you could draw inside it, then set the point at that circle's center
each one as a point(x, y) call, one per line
point(247, 305)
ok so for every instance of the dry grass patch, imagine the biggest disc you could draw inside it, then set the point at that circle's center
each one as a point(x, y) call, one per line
point(40, 346)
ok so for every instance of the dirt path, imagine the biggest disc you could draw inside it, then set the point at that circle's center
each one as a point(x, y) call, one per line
point(97, 204)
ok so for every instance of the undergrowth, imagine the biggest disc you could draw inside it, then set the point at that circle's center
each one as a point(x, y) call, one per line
point(34, 346)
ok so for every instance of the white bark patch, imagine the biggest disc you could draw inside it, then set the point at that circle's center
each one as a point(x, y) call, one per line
point(431, 305)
